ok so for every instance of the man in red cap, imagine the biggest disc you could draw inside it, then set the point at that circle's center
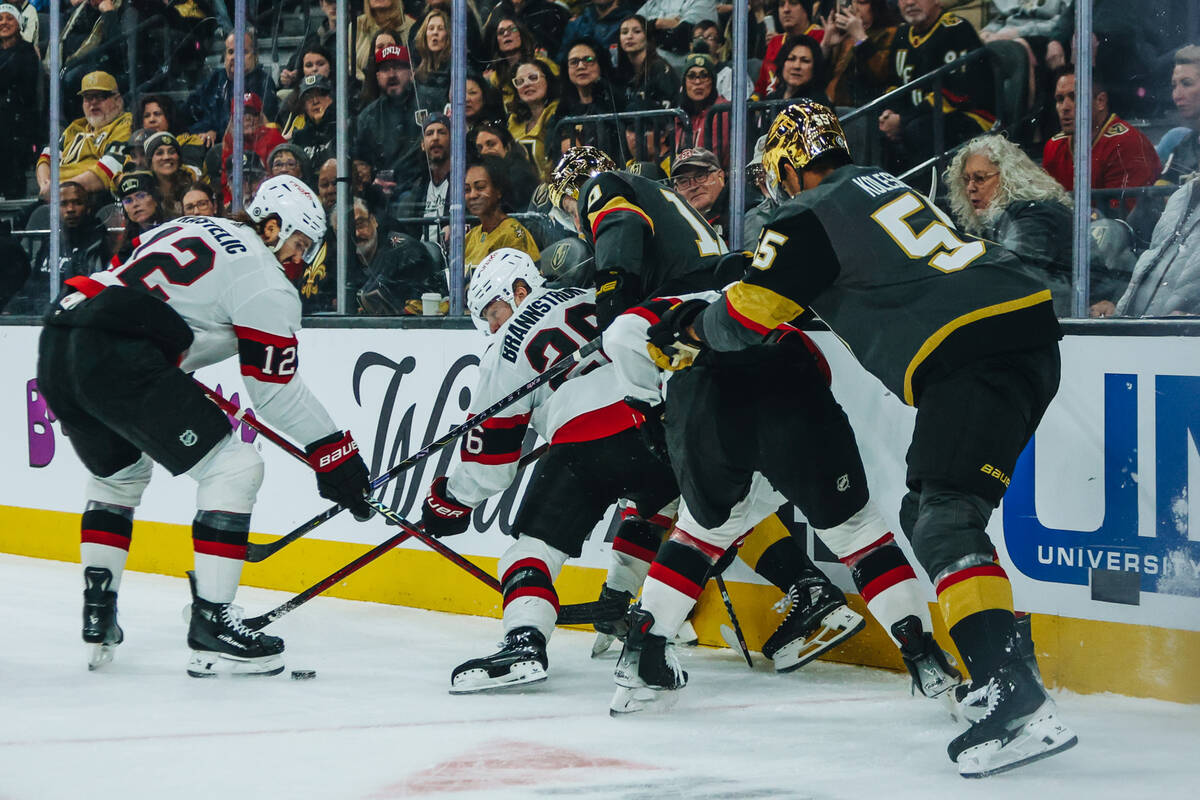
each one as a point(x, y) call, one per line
point(389, 136)
point(258, 137)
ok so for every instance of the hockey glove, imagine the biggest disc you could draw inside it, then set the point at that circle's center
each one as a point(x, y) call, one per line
point(803, 347)
point(652, 429)
point(341, 473)
point(442, 514)
point(672, 346)
point(616, 291)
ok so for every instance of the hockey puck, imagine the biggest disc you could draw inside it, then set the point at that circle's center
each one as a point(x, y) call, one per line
point(303, 674)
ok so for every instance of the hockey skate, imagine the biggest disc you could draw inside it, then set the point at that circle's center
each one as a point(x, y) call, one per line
point(932, 668)
point(648, 675)
point(608, 631)
point(971, 704)
point(521, 660)
point(1020, 725)
point(816, 619)
point(222, 645)
point(100, 628)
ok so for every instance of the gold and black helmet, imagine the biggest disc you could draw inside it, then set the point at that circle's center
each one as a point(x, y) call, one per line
point(574, 169)
point(802, 132)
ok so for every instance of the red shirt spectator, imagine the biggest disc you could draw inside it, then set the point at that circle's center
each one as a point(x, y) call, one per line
point(795, 16)
point(1121, 155)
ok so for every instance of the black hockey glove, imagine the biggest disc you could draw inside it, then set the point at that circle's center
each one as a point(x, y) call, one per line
point(653, 430)
point(671, 346)
point(616, 292)
point(341, 473)
point(441, 513)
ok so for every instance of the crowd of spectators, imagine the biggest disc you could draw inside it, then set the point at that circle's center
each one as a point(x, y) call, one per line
point(544, 76)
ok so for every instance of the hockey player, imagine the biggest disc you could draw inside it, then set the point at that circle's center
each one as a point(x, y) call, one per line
point(951, 325)
point(113, 362)
point(780, 435)
point(596, 457)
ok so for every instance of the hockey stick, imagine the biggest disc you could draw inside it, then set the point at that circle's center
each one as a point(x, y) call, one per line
point(737, 628)
point(257, 552)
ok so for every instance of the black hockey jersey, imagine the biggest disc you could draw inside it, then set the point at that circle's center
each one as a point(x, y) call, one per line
point(649, 234)
point(969, 91)
point(889, 273)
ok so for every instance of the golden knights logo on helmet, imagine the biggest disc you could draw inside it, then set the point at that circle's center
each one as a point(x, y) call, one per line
point(574, 169)
point(801, 133)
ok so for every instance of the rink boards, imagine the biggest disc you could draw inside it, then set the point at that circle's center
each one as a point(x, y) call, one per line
point(1095, 531)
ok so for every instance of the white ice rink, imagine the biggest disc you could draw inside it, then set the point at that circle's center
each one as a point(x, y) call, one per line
point(377, 721)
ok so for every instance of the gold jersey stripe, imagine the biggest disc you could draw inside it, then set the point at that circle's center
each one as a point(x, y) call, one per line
point(980, 593)
point(760, 306)
point(618, 204)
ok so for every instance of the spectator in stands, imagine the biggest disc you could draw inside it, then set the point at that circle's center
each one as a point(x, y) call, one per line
point(646, 78)
point(599, 21)
point(201, 201)
point(672, 22)
point(799, 71)
point(707, 38)
point(795, 17)
point(135, 151)
point(998, 193)
point(495, 140)
point(156, 112)
point(1166, 280)
point(14, 265)
point(432, 75)
point(697, 175)
point(392, 270)
point(315, 62)
point(174, 178)
point(534, 110)
point(484, 104)
point(258, 137)
point(509, 44)
point(93, 146)
point(1180, 147)
point(211, 101)
point(138, 192)
point(388, 137)
point(316, 131)
point(857, 43)
point(323, 40)
point(657, 139)
point(21, 126)
point(546, 21)
point(379, 15)
point(1122, 156)
point(429, 196)
point(697, 97)
point(364, 183)
point(327, 185)
point(289, 159)
point(929, 38)
point(85, 241)
point(475, 46)
point(254, 171)
point(369, 92)
point(1038, 27)
point(486, 191)
point(589, 91)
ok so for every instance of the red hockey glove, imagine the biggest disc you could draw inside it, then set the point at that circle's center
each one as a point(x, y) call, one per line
point(442, 514)
point(341, 473)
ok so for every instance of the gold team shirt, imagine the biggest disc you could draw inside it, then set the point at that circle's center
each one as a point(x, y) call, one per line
point(508, 233)
point(98, 151)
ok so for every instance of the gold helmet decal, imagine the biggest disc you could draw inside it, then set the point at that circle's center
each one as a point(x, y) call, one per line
point(802, 132)
point(574, 169)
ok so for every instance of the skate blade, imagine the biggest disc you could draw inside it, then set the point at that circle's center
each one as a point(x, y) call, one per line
point(522, 673)
point(1041, 737)
point(602, 643)
point(686, 635)
point(731, 641)
point(99, 655)
point(638, 699)
point(837, 625)
point(207, 664)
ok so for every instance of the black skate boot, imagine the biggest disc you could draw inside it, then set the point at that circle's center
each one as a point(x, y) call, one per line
point(648, 675)
point(608, 631)
point(222, 645)
point(1020, 725)
point(100, 628)
point(817, 618)
point(520, 660)
point(971, 704)
point(932, 669)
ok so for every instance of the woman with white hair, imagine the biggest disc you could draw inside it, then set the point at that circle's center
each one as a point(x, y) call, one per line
point(999, 193)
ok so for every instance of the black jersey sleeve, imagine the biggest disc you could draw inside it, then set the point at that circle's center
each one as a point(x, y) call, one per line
point(615, 223)
point(793, 263)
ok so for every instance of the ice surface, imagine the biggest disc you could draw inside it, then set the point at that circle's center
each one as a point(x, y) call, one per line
point(378, 723)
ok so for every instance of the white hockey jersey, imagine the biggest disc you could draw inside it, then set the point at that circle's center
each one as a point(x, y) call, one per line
point(230, 290)
point(585, 404)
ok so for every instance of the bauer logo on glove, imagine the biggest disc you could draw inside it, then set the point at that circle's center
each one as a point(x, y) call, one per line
point(441, 513)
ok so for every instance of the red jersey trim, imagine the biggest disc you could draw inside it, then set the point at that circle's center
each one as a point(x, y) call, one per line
point(262, 337)
point(110, 539)
point(886, 581)
point(984, 571)
point(886, 539)
point(235, 551)
point(598, 424)
point(504, 423)
point(90, 287)
point(683, 537)
point(671, 578)
point(602, 214)
point(743, 320)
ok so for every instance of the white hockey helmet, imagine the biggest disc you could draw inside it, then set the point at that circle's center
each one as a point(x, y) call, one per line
point(297, 207)
point(494, 278)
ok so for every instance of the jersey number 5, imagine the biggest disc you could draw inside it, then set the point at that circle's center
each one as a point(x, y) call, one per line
point(938, 238)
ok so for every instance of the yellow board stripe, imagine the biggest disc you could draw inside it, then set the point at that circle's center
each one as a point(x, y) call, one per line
point(970, 596)
point(764, 309)
point(762, 536)
point(940, 335)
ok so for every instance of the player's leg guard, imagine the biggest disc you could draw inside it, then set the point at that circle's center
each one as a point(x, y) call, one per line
point(228, 477)
point(106, 528)
point(816, 615)
point(633, 549)
point(219, 540)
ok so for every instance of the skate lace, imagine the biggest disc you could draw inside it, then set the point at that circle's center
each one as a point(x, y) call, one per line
point(673, 663)
point(788, 602)
point(231, 615)
point(989, 692)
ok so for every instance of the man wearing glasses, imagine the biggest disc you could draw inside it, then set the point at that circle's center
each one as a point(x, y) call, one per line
point(93, 146)
point(698, 177)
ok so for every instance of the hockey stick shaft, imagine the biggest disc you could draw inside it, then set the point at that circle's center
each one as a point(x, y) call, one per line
point(737, 627)
point(434, 544)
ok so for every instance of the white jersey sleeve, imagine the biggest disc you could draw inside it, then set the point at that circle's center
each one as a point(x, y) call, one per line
point(229, 289)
